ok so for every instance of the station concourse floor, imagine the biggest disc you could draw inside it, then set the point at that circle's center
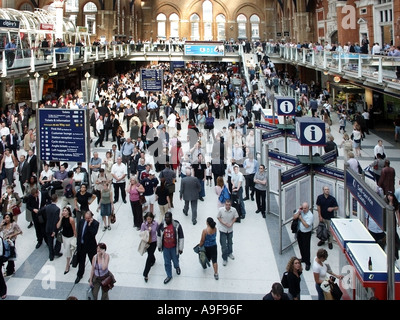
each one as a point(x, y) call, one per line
point(257, 264)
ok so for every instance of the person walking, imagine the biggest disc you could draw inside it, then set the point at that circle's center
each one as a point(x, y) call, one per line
point(170, 178)
point(106, 206)
point(304, 231)
point(10, 230)
point(67, 225)
point(189, 192)
point(99, 271)
point(150, 225)
point(52, 217)
point(209, 241)
point(199, 171)
point(326, 205)
point(162, 199)
point(170, 240)
point(226, 217)
point(260, 187)
point(237, 180)
point(36, 202)
point(86, 242)
point(386, 180)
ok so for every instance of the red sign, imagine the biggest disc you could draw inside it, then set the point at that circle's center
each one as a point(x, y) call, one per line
point(46, 26)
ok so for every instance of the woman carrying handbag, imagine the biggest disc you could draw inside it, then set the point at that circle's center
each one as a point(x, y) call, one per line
point(151, 226)
point(99, 271)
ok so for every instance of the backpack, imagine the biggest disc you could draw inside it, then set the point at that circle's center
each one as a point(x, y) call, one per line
point(284, 280)
point(225, 195)
point(68, 192)
point(322, 232)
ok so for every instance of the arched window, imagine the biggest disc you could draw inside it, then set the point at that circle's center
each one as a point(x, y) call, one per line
point(194, 26)
point(255, 26)
point(241, 21)
point(161, 20)
point(89, 11)
point(207, 19)
point(220, 19)
point(174, 24)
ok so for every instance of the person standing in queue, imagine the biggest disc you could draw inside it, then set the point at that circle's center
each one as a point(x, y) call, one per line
point(326, 205)
point(304, 231)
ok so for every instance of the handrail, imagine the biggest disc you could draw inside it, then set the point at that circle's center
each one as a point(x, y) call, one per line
point(380, 69)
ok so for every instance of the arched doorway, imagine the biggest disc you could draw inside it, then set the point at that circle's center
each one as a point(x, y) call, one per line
point(334, 37)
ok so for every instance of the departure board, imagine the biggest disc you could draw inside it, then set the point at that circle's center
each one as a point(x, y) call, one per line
point(62, 135)
point(151, 79)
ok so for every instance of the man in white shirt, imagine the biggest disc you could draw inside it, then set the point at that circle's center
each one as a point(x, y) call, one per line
point(237, 188)
point(379, 148)
point(118, 172)
point(171, 124)
point(376, 49)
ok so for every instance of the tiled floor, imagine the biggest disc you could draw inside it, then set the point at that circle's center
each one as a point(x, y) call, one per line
point(257, 265)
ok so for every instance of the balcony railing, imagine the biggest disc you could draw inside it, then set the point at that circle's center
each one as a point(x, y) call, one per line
point(378, 69)
point(34, 58)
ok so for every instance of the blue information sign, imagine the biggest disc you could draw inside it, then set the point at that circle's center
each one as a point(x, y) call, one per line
point(204, 49)
point(151, 79)
point(271, 134)
point(62, 135)
point(286, 158)
point(285, 106)
point(310, 131)
point(368, 199)
point(265, 125)
point(294, 173)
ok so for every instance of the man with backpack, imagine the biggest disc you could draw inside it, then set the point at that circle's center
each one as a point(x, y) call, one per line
point(69, 193)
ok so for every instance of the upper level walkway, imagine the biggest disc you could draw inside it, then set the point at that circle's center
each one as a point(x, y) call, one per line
point(21, 61)
point(366, 69)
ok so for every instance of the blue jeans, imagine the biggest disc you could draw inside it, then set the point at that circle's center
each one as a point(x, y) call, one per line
point(226, 242)
point(321, 295)
point(202, 192)
point(170, 254)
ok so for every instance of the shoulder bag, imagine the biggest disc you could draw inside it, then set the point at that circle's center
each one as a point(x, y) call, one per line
point(294, 226)
point(108, 282)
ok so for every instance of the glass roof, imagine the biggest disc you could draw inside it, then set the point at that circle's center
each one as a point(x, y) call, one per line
point(30, 21)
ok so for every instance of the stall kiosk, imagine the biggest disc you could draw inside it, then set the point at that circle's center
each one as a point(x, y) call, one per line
point(368, 283)
point(347, 231)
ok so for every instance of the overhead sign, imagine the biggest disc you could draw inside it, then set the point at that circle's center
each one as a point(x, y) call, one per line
point(151, 79)
point(295, 173)
point(271, 134)
point(310, 131)
point(205, 49)
point(9, 24)
point(368, 199)
point(265, 125)
point(286, 158)
point(62, 135)
point(331, 172)
point(285, 106)
point(46, 26)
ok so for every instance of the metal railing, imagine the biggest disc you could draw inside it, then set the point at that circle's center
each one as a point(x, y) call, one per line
point(379, 69)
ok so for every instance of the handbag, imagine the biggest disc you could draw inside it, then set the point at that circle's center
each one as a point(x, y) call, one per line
point(113, 218)
point(74, 260)
point(142, 199)
point(59, 236)
point(16, 210)
point(108, 282)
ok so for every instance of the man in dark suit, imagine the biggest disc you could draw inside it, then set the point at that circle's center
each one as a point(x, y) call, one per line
point(190, 188)
point(32, 160)
point(23, 172)
point(86, 242)
point(107, 125)
point(52, 217)
point(36, 203)
point(12, 142)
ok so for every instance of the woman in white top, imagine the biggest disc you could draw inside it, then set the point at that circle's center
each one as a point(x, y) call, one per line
point(8, 163)
point(356, 137)
point(320, 271)
point(108, 163)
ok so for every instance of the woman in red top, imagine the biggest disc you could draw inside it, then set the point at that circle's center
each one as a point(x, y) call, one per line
point(176, 156)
